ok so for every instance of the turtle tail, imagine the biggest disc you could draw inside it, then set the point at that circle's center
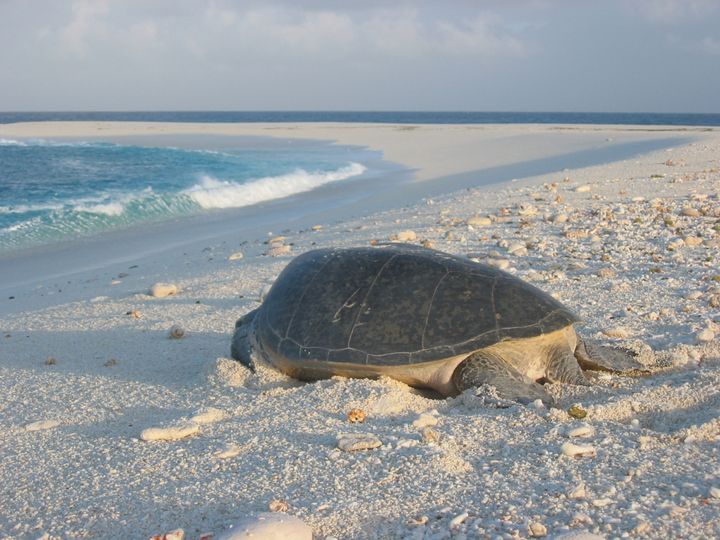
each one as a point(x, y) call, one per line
point(240, 348)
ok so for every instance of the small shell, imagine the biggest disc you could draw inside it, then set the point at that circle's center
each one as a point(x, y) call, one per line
point(170, 433)
point(706, 335)
point(177, 534)
point(458, 520)
point(236, 256)
point(577, 450)
point(582, 189)
point(359, 441)
point(176, 332)
point(478, 221)
point(617, 332)
point(161, 290)
point(578, 492)
point(581, 431)
point(42, 425)
point(404, 236)
point(425, 420)
point(229, 451)
point(356, 416)
point(278, 250)
point(278, 505)
point(537, 529)
point(430, 435)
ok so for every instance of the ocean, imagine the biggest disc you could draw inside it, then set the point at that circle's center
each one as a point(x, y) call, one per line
point(51, 191)
point(385, 117)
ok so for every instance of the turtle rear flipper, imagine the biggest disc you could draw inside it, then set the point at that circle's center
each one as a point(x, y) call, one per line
point(484, 367)
point(596, 357)
point(240, 349)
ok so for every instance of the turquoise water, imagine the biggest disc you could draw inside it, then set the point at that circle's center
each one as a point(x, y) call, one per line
point(57, 190)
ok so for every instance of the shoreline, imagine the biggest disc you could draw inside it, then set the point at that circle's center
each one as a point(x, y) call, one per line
point(632, 246)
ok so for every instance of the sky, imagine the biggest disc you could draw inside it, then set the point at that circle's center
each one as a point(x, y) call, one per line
point(468, 55)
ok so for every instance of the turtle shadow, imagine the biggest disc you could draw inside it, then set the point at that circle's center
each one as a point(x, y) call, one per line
point(123, 354)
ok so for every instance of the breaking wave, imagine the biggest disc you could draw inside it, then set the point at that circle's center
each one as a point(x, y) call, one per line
point(35, 224)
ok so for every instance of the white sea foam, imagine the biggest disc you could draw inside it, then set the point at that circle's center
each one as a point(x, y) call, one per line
point(214, 193)
point(108, 209)
point(11, 142)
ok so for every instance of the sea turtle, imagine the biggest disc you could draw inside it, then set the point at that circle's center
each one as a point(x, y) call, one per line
point(421, 316)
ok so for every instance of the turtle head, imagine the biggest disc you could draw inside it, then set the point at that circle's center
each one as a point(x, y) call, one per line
point(241, 346)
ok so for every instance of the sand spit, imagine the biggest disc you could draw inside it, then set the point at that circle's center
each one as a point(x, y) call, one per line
point(175, 435)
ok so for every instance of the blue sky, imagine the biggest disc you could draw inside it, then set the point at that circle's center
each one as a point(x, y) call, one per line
point(488, 55)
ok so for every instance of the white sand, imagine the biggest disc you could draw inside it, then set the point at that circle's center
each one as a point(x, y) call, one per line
point(81, 380)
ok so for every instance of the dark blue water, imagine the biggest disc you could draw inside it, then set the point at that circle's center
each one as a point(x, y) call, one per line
point(385, 117)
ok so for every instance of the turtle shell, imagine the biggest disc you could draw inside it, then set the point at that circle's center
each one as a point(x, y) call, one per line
point(398, 305)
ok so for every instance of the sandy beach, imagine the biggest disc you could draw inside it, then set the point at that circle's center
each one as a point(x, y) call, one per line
point(91, 378)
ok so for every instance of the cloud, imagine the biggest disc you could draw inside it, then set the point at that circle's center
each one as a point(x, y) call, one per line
point(281, 31)
point(674, 11)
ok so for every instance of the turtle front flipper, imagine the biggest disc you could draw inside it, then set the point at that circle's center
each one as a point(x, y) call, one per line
point(563, 367)
point(484, 367)
point(596, 357)
point(240, 349)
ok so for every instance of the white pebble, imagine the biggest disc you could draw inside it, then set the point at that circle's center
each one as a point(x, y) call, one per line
point(582, 431)
point(42, 425)
point(278, 250)
point(230, 451)
point(404, 236)
point(578, 492)
point(706, 335)
point(425, 420)
point(268, 526)
point(236, 256)
point(478, 221)
point(517, 248)
point(537, 529)
point(579, 535)
point(582, 189)
point(208, 416)
point(600, 503)
point(694, 295)
point(170, 433)
point(577, 450)
point(358, 441)
point(527, 209)
point(715, 492)
point(500, 264)
point(617, 332)
point(161, 290)
point(457, 520)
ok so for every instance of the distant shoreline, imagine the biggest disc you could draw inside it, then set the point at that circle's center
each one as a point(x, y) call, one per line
point(374, 117)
